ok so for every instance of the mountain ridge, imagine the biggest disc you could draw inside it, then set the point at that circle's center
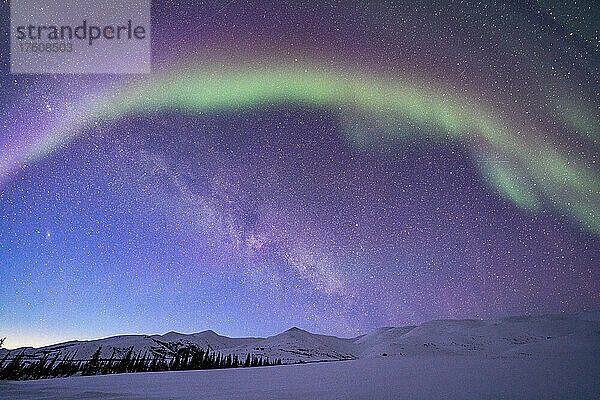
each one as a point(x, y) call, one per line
point(526, 335)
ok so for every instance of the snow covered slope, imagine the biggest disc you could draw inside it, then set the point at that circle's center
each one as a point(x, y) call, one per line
point(563, 335)
point(297, 345)
point(166, 344)
point(526, 335)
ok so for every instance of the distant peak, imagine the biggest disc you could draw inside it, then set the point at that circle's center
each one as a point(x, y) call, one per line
point(295, 329)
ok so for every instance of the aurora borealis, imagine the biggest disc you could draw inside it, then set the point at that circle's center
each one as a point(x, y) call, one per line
point(329, 166)
point(523, 177)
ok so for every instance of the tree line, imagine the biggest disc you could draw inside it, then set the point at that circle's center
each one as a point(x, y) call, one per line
point(19, 368)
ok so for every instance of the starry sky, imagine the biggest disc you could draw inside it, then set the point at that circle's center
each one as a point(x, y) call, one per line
point(331, 165)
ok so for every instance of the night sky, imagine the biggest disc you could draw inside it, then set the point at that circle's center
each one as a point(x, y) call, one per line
point(333, 166)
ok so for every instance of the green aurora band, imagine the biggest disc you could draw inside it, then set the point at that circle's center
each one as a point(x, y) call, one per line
point(375, 112)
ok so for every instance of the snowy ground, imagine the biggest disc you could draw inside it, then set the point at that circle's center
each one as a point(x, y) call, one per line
point(423, 377)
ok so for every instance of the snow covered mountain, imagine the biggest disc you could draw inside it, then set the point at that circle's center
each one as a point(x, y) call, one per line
point(297, 345)
point(548, 335)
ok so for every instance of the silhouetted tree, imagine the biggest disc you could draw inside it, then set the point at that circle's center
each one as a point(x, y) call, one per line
point(93, 367)
point(183, 359)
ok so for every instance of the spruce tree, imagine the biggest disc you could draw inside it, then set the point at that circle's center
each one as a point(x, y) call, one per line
point(93, 365)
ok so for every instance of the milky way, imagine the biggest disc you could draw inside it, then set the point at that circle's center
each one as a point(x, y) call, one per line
point(333, 167)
